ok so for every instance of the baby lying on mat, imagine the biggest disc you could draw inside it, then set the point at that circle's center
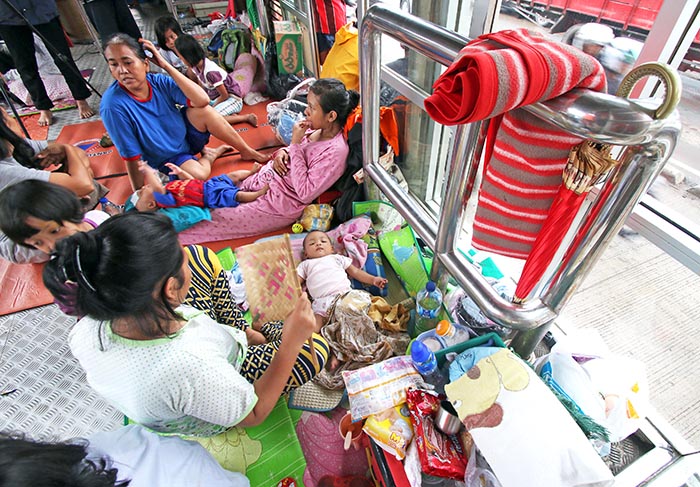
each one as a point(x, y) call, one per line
point(326, 274)
point(218, 192)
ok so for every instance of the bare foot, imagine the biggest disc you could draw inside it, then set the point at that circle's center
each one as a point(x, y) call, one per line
point(85, 110)
point(333, 363)
point(45, 118)
point(253, 155)
point(255, 337)
point(252, 119)
point(213, 154)
point(256, 167)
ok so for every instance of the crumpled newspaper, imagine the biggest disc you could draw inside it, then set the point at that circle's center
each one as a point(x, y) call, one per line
point(388, 317)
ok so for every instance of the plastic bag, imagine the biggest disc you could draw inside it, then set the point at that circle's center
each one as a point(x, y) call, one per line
point(479, 472)
point(612, 390)
point(317, 217)
point(623, 383)
point(391, 430)
point(380, 386)
point(282, 115)
point(440, 455)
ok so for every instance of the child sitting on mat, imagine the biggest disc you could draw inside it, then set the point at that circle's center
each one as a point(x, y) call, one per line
point(326, 274)
point(167, 30)
point(218, 192)
point(219, 85)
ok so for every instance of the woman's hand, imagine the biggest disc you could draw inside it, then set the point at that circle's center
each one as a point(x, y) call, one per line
point(155, 57)
point(299, 325)
point(280, 163)
point(299, 130)
point(53, 155)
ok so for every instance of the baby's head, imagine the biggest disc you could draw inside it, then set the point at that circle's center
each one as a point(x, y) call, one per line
point(141, 200)
point(317, 244)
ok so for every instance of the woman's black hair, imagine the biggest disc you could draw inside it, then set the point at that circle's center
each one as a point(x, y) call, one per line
point(125, 40)
point(22, 152)
point(119, 270)
point(162, 25)
point(190, 50)
point(333, 96)
point(39, 199)
point(27, 463)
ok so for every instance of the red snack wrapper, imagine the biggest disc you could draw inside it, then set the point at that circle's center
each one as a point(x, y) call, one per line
point(440, 455)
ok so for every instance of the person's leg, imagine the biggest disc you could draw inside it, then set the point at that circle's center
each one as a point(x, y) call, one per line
point(251, 118)
point(198, 168)
point(259, 357)
point(6, 62)
point(196, 139)
point(210, 290)
point(242, 174)
point(20, 43)
point(102, 15)
point(125, 19)
point(54, 35)
point(250, 196)
point(206, 119)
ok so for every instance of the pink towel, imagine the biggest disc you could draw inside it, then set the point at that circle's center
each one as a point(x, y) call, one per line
point(491, 77)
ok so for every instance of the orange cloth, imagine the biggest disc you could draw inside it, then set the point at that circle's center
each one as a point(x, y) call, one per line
point(388, 125)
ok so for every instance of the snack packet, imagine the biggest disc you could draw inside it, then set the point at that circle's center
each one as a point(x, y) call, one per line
point(440, 455)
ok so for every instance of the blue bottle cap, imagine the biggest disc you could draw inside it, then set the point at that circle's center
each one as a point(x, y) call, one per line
point(430, 287)
point(419, 352)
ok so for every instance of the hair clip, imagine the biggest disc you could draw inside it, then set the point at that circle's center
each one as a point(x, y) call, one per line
point(81, 274)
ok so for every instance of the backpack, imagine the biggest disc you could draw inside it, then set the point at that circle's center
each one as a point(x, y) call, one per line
point(233, 43)
point(215, 43)
point(347, 184)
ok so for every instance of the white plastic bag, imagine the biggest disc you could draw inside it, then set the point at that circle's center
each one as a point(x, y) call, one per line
point(282, 115)
point(623, 383)
point(478, 472)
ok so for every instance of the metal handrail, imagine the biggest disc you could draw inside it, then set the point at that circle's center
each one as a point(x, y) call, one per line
point(600, 117)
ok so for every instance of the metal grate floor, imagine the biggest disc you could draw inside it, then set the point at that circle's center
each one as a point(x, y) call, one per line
point(52, 399)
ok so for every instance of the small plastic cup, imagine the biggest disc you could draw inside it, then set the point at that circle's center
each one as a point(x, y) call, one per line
point(355, 429)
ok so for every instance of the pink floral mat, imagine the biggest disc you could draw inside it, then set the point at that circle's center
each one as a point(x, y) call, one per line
point(63, 104)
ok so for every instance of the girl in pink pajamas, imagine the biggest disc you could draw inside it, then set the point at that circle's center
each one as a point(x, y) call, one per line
point(296, 175)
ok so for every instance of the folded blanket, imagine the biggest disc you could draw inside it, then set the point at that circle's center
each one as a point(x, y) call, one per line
point(491, 77)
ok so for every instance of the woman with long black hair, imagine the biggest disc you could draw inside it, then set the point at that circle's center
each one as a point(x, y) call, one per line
point(22, 159)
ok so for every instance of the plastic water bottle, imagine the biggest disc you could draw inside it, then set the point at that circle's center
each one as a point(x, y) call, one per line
point(431, 340)
point(452, 333)
point(426, 364)
point(428, 302)
point(111, 208)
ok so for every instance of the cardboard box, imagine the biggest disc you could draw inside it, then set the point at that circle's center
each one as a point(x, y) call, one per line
point(289, 47)
point(204, 9)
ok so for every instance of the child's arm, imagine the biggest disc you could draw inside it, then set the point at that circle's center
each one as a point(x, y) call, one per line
point(365, 278)
point(223, 94)
point(150, 177)
point(178, 171)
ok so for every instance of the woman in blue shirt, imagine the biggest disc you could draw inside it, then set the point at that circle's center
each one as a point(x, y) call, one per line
point(161, 119)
